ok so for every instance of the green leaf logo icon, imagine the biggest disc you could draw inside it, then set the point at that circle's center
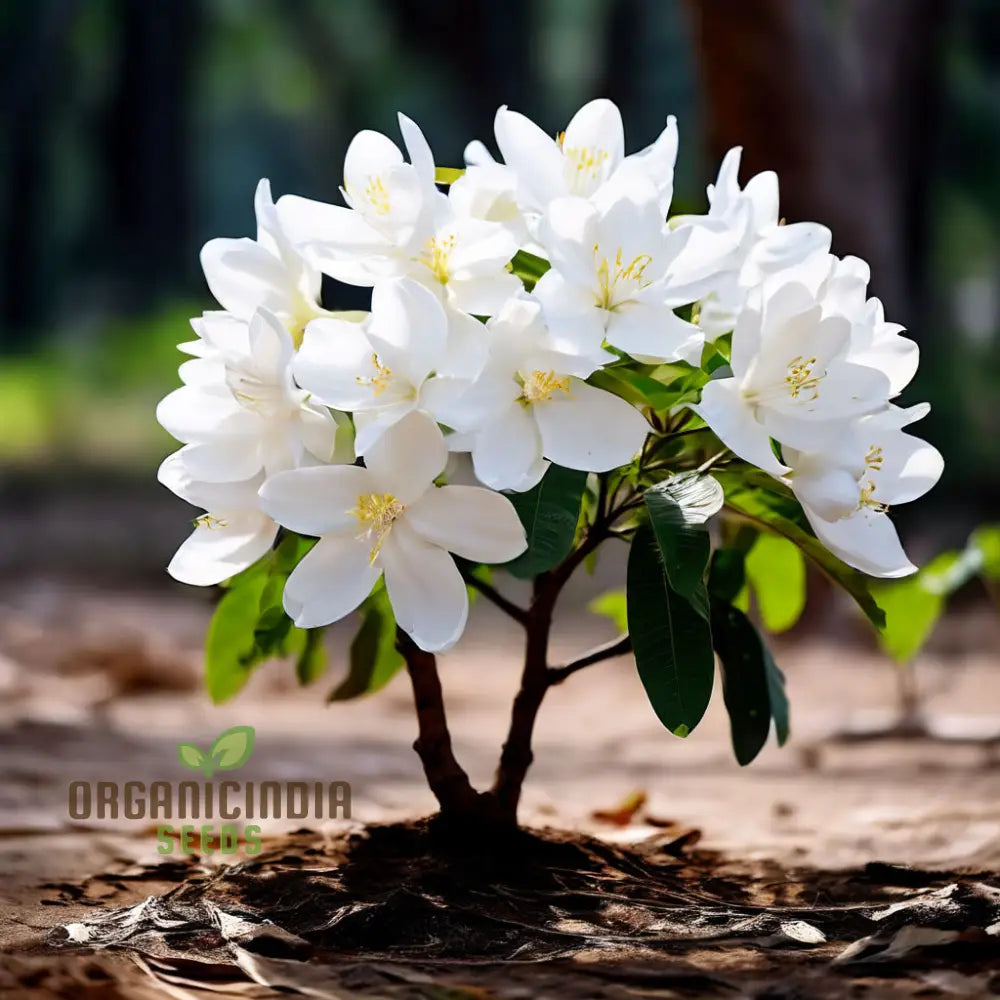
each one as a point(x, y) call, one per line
point(230, 750)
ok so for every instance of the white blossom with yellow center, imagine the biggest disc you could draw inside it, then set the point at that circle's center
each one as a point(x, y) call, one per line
point(610, 280)
point(398, 224)
point(384, 368)
point(791, 379)
point(389, 519)
point(240, 412)
point(531, 406)
point(848, 488)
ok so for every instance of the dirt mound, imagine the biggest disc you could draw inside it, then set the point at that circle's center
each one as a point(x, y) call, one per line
point(405, 907)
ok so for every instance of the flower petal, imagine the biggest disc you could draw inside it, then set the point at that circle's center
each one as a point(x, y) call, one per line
point(408, 456)
point(507, 452)
point(425, 588)
point(533, 156)
point(866, 540)
point(333, 356)
point(331, 581)
point(318, 500)
point(243, 275)
point(733, 422)
point(418, 149)
point(472, 522)
point(589, 428)
point(593, 145)
point(221, 547)
point(409, 324)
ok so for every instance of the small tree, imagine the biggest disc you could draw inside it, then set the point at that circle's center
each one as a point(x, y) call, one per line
point(550, 364)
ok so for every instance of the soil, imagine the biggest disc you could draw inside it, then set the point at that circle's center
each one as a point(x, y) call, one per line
point(833, 867)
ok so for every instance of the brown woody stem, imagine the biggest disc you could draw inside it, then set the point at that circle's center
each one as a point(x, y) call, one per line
point(448, 781)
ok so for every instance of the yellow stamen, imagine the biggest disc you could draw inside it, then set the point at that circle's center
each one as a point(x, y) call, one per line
point(540, 387)
point(380, 380)
point(874, 458)
point(800, 377)
point(435, 256)
point(377, 196)
point(631, 274)
point(867, 499)
point(586, 162)
point(375, 513)
point(209, 521)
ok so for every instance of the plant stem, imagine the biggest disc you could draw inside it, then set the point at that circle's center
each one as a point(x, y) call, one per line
point(448, 781)
point(617, 647)
point(517, 755)
point(515, 611)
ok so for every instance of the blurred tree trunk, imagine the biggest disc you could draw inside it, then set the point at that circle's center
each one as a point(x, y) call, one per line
point(841, 100)
point(146, 136)
point(31, 81)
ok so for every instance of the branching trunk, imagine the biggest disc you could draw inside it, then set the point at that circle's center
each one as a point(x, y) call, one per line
point(448, 781)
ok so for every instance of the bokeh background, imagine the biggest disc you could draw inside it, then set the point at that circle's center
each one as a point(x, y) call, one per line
point(133, 131)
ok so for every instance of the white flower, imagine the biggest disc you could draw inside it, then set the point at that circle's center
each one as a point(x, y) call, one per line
point(847, 489)
point(399, 225)
point(790, 379)
point(381, 370)
point(841, 287)
point(390, 518)
point(760, 245)
point(240, 412)
point(233, 533)
point(244, 274)
point(530, 406)
point(610, 276)
point(581, 159)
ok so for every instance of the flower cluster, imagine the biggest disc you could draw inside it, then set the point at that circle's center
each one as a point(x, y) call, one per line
point(493, 308)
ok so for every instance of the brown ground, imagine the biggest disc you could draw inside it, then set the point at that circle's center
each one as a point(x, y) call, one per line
point(100, 684)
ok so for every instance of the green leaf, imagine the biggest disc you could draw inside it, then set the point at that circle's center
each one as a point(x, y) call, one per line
point(913, 605)
point(611, 605)
point(447, 175)
point(752, 685)
point(191, 756)
point(231, 643)
point(529, 267)
point(986, 541)
point(727, 574)
point(678, 509)
point(911, 611)
point(776, 571)
point(768, 504)
point(671, 639)
point(232, 748)
point(549, 513)
point(311, 663)
point(374, 659)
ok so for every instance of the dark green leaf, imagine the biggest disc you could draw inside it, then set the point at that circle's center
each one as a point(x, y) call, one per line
point(727, 574)
point(374, 659)
point(671, 639)
point(752, 685)
point(678, 509)
point(768, 504)
point(776, 571)
point(549, 513)
point(311, 663)
point(230, 643)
